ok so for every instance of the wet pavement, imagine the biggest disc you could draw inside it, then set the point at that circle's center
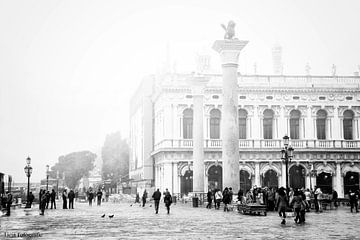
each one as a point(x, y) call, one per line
point(184, 222)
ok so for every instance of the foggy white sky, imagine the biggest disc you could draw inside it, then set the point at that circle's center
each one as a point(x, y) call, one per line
point(68, 68)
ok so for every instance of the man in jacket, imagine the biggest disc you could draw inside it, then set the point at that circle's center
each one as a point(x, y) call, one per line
point(167, 200)
point(157, 196)
point(71, 197)
point(52, 199)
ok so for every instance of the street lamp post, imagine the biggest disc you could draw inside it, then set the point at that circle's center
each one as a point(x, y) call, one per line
point(57, 184)
point(47, 177)
point(286, 156)
point(28, 171)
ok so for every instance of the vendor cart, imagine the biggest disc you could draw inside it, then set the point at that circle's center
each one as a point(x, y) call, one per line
point(252, 209)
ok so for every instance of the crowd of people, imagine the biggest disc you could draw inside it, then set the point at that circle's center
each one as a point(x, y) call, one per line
point(299, 201)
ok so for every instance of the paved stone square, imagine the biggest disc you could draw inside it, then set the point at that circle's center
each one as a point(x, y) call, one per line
point(184, 222)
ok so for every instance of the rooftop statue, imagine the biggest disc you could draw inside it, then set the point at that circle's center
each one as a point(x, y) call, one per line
point(229, 30)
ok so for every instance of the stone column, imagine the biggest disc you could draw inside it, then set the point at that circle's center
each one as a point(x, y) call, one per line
point(339, 181)
point(229, 51)
point(283, 129)
point(309, 131)
point(198, 84)
point(175, 177)
point(257, 174)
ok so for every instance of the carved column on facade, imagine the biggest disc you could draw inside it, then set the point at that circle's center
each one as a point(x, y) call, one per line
point(339, 181)
point(336, 125)
point(256, 126)
point(310, 131)
point(229, 51)
point(175, 176)
point(282, 123)
point(257, 174)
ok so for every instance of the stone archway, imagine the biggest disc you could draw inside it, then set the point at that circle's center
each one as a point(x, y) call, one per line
point(351, 181)
point(324, 182)
point(245, 180)
point(270, 179)
point(187, 182)
point(297, 176)
point(215, 177)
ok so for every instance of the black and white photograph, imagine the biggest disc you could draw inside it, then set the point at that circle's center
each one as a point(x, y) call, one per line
point(179, 119)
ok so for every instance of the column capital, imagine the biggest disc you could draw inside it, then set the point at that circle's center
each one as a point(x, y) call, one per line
point(229, 50)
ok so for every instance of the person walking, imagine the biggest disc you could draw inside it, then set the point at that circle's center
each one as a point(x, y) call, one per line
point(31, 198)
point(43, 202)
point(71, 197)
point(137, 198)
point(64, 197)
point(99, 196)
point(90, 197)
point(226, 199)
point(144, 196)
point(156, 196)
point(209, 199)
point(218, 198)
point(316, 199)
point(335, 198)
point(167, 200)
point(296, 203)
point(47, 194)
point(353, 201)
point(307, 194)
point(282, 203)
point(40, 194)
point(52, 199)
point(9, 199)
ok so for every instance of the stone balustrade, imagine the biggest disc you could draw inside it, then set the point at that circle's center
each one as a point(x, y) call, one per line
point(261, 143)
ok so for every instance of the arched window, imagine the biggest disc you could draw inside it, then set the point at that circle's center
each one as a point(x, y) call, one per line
point(215, 116)
point(268, 124)
point(242, 123)
point(348, 125)
point(188, 123)
point(321, 124)
point(295, 124)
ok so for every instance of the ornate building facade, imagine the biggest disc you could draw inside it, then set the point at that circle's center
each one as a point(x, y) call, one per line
point(320, 114)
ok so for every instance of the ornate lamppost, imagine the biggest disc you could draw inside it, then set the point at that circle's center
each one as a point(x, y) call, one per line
point(47, 177)
point(28, 171)
point(57, 184)
point(286, 156)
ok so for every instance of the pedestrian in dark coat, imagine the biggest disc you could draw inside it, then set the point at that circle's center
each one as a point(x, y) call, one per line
point(40, 194)
point(31, 198)
point(64, 197)
point(90, 197)
point(99, 196)
point(137, 198)
point(156, 196)
point(71, 197)
point(353, 200)
point(209, 199)
point(226, 199)
point(335, 198)
point(52, 199)
point(282, 204)
point(144, 196)
point(9, 199)
point(47, 194)
point(43, 202)
point(167, 201)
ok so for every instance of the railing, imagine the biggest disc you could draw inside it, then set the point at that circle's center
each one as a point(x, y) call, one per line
point(260, 143)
